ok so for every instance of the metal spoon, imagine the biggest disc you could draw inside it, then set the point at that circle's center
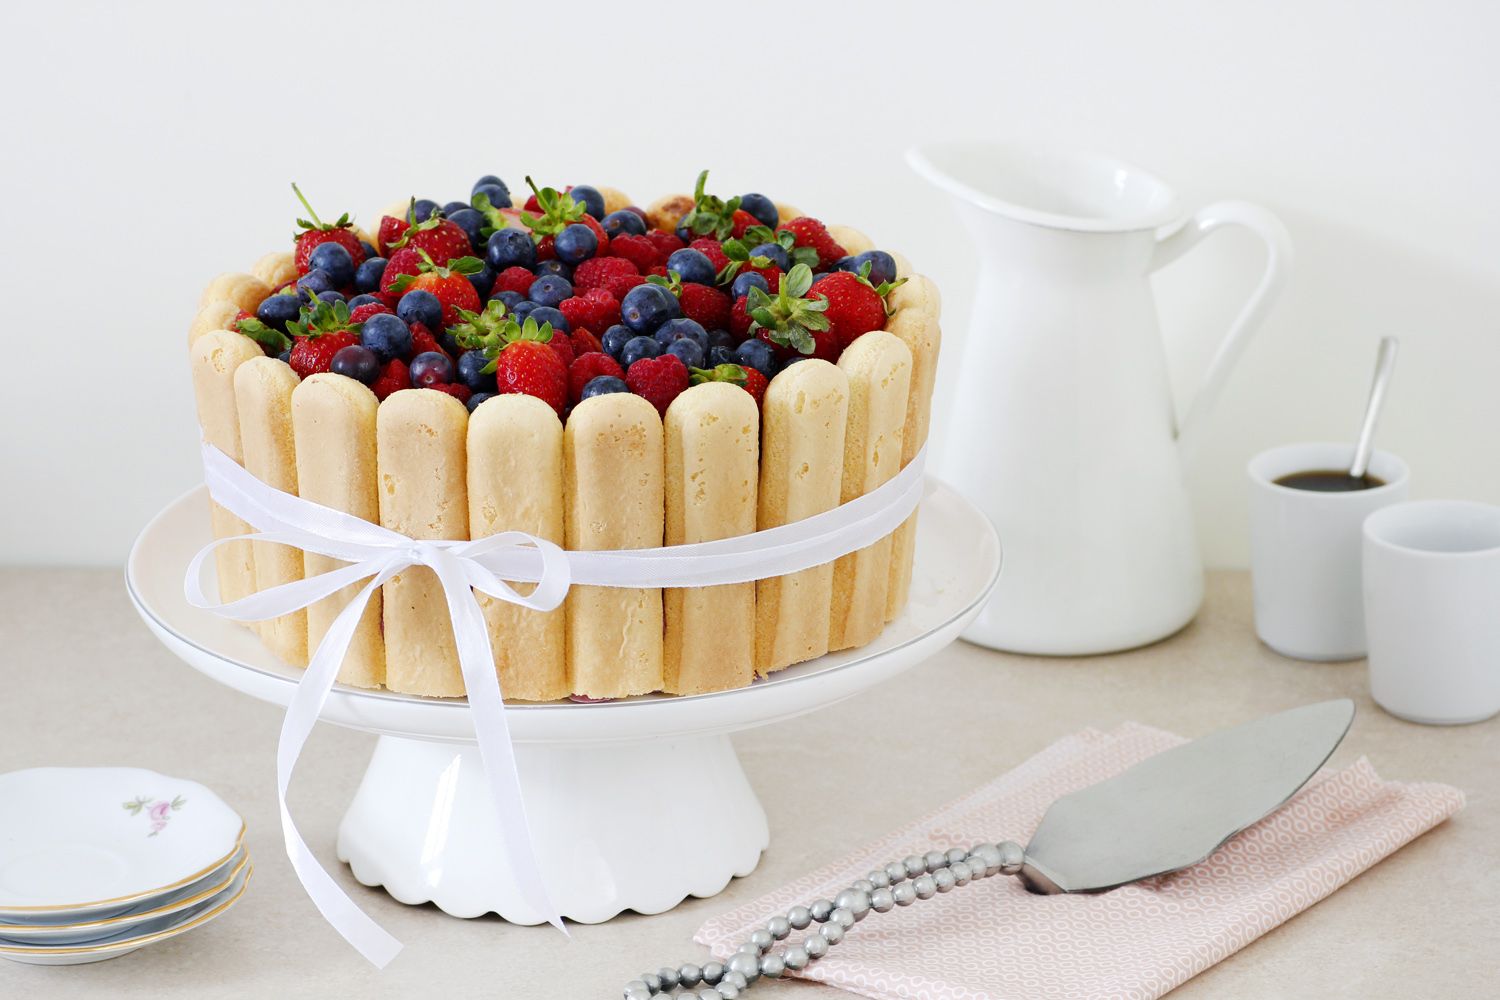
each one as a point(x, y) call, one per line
point(1385, 363)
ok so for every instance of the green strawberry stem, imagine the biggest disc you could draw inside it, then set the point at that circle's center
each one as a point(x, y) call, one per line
point(733, 374)
point(317, 223)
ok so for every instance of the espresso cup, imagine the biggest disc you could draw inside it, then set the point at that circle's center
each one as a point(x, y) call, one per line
point(1432, 608)
point(1305, 550)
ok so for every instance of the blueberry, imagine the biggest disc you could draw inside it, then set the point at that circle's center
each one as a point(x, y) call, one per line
point(682, 329)
point(470, 222)
point(454, 206)
point(819, 277)
point(497, 194)
point(756, 354)
point(692, 265)
point(523, 309)
point(331, 297)
point(547, 314)
point(510, 248)
point(477, 398)
point(882, 265)
point(556, 268)
point(277, 311)
point(647, 307)
point(367, 276)
point(424, 208)
point(449, 343)
point(590, 198)
point(746, 281)
point(549, 290)
point(763, 208)
point(721, 356)
point(601, 385)
point(489, 180)
point(364, 300)
point(369, 249)
point(637, 348)
point(421, 306)
point(721, 338)
point(471, 372)
point(431, 368)
point(482, 280)
point(575, 244)
point(336, 261)
point(388, 336)
point(285, 356)
point(788, 362)
point(614, 339)
point(683, 232)
point(315, 281)
point(509, 299)
point(359, 363)
point(777, 254)
point(621, 223)
point(689, 352)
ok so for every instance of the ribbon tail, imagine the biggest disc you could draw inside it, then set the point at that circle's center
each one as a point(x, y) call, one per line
point(368, 938)
point(477, 661)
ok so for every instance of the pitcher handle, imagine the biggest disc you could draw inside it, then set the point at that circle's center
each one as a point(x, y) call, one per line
point(1278, 264)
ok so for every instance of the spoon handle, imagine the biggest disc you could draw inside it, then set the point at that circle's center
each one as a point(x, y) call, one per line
point(1385, 363)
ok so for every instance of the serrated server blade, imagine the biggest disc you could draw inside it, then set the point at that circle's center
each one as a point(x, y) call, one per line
point(1174, 809)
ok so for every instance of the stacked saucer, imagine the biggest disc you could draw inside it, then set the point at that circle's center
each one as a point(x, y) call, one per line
point(98, 862)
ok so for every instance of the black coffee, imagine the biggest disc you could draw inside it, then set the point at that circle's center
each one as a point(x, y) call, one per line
point(1329, 481)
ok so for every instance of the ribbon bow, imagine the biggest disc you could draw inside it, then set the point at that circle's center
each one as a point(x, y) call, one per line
point(485, 565)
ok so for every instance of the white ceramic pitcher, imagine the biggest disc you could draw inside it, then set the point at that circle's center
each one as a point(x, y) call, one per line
point(1071, 443)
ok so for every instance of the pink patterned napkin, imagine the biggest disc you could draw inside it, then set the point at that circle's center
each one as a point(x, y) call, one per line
point(994, 940)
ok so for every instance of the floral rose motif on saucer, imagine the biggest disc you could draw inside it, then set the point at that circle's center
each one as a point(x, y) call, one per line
point(159, 810)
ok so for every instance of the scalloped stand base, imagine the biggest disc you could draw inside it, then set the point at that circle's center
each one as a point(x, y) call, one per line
point(617, 826)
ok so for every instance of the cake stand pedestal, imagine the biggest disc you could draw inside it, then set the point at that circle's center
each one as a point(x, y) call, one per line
point(634, 804)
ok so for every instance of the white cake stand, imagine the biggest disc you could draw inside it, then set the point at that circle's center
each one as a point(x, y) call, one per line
point(634, 804)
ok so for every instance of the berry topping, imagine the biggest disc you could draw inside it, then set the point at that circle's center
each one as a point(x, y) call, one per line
point(356, 362)
point(393, 378)
point(316, 232)
point(658, 380)
point(809, 232)
point(587, 367)
point(709, 216)
point(746, 378)
point(602, 386)
point(386, 335)
point(790, 321)
point(855, 307)
point(430, 369)
point(449, 284)
point(520, 356)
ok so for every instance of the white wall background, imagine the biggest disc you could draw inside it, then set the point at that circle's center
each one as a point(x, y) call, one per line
point(148, 148)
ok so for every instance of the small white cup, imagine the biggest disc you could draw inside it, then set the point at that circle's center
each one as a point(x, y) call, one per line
point(1305, 550)
point(1432, 603)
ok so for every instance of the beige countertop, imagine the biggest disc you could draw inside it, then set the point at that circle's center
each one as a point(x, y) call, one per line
point(86, 684)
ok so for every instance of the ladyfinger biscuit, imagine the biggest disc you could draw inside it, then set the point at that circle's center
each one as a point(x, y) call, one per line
point(712, 468)
point(612, 485)
point(420, 448)
point(786, 213)
point(263, 395)
point(275, 268)
point(903, 266)
point(915, 320)
point(245, 290)
point(879, 368)
point(333, 425)
point(614, 199)
point(803, 418)
point(217, 315)
point(852, 240)
point(515, 447)
point(215, 357)
point(666, 211)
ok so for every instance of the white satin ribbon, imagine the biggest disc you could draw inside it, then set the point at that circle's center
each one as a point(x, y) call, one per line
point(485, 565)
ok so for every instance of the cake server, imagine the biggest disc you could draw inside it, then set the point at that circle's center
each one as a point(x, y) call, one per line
point(1161, 815)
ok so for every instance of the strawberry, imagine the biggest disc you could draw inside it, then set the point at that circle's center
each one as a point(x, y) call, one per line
point(809, 232)
point(713, 250)
point(317, 232)
point(513, 279)
point(711, 216)
point(450, 283)
point(457, 390)
point(589, 366)
point(319, 332)
point(745, 377)
point(658, 380)
point(595, 271)
point(562, 347)
point(393, 378)
point(618, 284)
point(364, 312)
point(790, 323)
point(522, 356)
point(423, 341)
point(855, 307)
point(557, 211)
point(666, 244)
point(404, 262)
point(739, 318)
point(391, 230)
point(742, 222)
point(584, 342)
point(439, 238)
point(593, 310)
point(638, 250)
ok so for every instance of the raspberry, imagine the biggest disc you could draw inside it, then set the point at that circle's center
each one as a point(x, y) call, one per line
point(423, 341)
point(513, 279)
point(393, 376)
point(658, 380)
point(364, 312)
point(617, 285)
point(546, 248)
point(596, 310)
point(457, 390)
point(660, 270)
point(562, 346)
point(713, 250)
point(708, 306)
point(666, 243)
point(584, 342)
point(594, 272)
point(638, 250)
point(588, 366)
